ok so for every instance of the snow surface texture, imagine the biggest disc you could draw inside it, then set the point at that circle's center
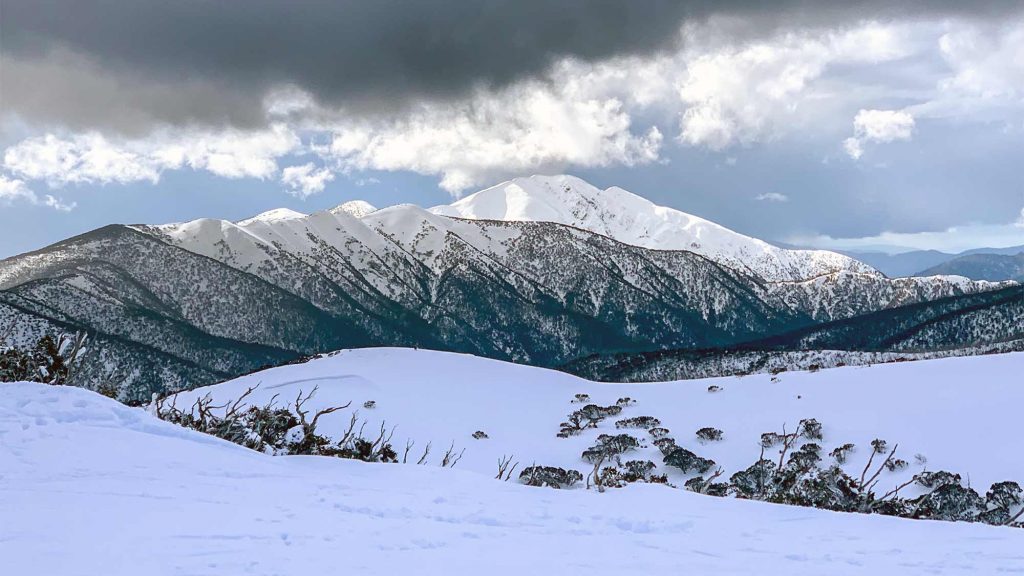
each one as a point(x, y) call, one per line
point(88, 486)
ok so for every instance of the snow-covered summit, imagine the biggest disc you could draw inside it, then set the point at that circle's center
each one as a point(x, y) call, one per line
point(357, 208)
point(631, 219)
point(275, 215)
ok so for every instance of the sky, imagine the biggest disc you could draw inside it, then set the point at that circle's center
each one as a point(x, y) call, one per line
point(854, 125)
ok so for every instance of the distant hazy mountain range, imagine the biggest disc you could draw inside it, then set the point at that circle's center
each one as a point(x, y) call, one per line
point(539, 270)
point(977, 264)
point(982, 267)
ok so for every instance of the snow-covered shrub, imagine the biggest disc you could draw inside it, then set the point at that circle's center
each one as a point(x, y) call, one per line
point(895, 464)
point(810, 429)
point(769, 439)
point(271, 429)
point(1001, 502)
point(796, 477)
point(841, 453)
point(713, 388)
point(753, 483)
point(607, 477)
point(950, 502)
point(480, 435)
point(50, 361)
point(709, 434)
point(637, 470)
point(625, 401)
point(646, 422)
point(549, 476)
point(587, 417)
point(936, 479)
point(688, 461)
point(665, 444)
point(806, 457)
point(580, 398)
point(658, 432)
point(275, 429)
point(609, 447)
point(707, 486)
point(370, 404)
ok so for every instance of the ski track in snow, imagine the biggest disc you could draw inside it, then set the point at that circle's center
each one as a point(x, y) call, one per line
point(88, 486)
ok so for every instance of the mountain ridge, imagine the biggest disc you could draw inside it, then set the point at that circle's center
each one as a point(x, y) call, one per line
point(632, 219)
point(287, 285)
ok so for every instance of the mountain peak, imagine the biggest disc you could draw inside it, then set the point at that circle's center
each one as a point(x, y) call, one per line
point(356, 208)
point(275, 215)
point(632, 219)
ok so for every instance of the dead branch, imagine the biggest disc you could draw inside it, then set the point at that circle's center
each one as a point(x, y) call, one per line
point(895, 491)
point(872, 480)
point(426, 452)
point(309, 427)
point(596, 474)
point(504, 472)
point(867, 467)
point(230, 412)
point(450, 460)
point(707, 482)
point(1014, 517)
point(408, 446)
point(347, 436)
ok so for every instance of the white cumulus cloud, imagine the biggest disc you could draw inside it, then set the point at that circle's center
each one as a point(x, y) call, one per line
point(13, 190)
point(878, 126)
point(741, 94)
point(717, 89)
point(92, 158)
point(853, 147)
point(772, 197)
point(883, 125)
point(528, 127)
point(306, 179)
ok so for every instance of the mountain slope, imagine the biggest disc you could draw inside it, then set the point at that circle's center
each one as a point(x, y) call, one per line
point(496, 287)
point(960, 325)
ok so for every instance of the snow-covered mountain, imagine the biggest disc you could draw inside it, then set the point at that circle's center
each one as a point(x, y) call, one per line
point(631, 219)
point(150, 497)
point(190, 303)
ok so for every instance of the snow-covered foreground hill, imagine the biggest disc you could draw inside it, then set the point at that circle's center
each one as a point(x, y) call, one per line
point(961, 414)
point(88, 486)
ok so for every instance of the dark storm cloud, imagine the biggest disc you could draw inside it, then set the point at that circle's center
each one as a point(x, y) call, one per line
point(125, 64)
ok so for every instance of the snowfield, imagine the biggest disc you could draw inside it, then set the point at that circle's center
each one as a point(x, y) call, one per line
point(89, 486)
point(442, 398)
